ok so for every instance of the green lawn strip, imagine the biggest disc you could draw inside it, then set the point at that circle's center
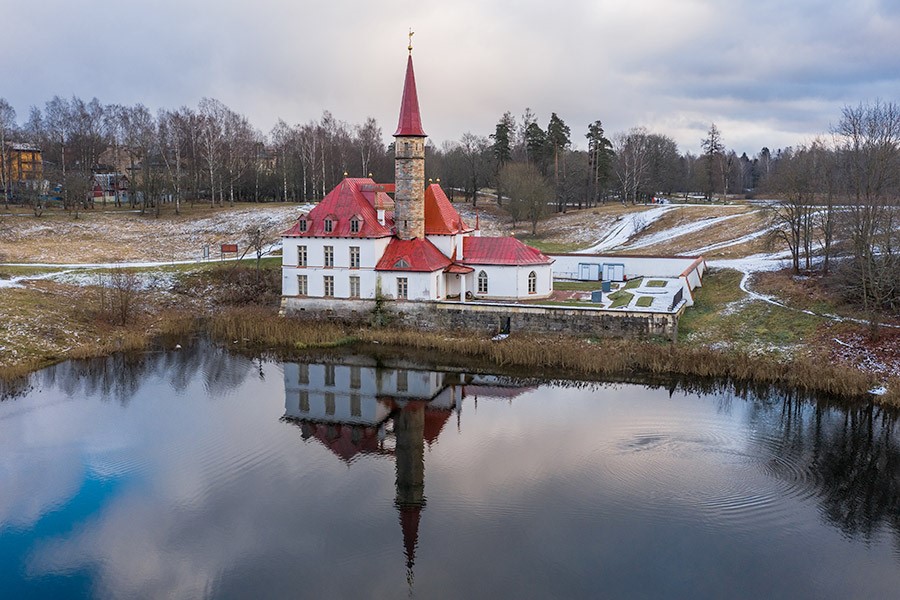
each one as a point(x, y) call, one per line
point(644, 301)
point(656, 283)
point(620, 299)
point(576, 286)
point(633, 283)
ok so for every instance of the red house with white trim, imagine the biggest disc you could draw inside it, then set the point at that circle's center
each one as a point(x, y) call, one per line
point(359, 243)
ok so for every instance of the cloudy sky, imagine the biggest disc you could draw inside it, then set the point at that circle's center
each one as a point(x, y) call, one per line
point(767, 73)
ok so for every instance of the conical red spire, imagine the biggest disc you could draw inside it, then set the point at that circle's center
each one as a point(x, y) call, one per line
point(410, 120)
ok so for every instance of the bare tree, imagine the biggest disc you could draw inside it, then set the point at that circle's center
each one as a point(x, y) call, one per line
point(475, 151)
point(797, 180)
point(212, 143)
point(632, 163)
point(868, 138)
point(528, 191)
point(7, 128)
point(369, 141)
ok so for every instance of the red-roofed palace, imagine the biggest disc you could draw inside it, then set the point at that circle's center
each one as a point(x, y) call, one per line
point(358, 243)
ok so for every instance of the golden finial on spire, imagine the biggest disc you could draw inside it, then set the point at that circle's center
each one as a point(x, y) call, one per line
point(411, 33)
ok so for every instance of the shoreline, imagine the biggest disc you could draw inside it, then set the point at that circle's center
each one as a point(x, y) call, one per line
point(262, 330)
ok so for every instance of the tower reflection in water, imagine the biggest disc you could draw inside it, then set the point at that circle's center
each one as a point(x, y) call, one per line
point(358, 409)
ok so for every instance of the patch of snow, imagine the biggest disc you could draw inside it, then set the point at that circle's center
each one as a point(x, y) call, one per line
point(680, 230)
point(626, 227)
point(878, 391)
point(735, 242)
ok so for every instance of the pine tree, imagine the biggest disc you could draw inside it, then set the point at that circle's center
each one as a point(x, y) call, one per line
point(600, 156)
point(501, 149)
point(535, 142)
point(557, 143)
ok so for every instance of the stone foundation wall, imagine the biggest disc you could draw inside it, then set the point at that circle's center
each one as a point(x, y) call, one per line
point(492, 318)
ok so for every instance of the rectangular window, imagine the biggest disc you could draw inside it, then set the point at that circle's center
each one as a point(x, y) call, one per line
point(402, 381)
point(329, 286)
point(329, 225)
point(304, 401)
point(329, 403)
point(354, 226)
point(329, 374)
point(303, 375)
point(301, 285)
point(301, 256)
point(329, 256)
point(402, 287)
point(354, 286)
point(354, 257)
point(355, 373)
point(355, 406)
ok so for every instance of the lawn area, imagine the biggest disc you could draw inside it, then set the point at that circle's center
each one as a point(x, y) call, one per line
point(576, 286)
point(620, 299)
point(644, 302)
point(656, 283)
point(633, 283)
point(723, 314)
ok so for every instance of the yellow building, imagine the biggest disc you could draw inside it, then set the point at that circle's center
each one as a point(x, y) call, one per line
point(23, 163)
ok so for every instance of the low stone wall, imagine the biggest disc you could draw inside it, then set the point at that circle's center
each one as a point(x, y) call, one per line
point(491, 318)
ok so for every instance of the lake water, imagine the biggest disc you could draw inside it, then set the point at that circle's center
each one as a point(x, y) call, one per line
point(200, 473)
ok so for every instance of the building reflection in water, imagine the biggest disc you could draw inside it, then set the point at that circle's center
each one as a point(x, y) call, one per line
point(359, 409)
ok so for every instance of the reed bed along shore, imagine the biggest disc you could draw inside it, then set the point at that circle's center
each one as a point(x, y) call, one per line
point(257, 329)
point(263, 330)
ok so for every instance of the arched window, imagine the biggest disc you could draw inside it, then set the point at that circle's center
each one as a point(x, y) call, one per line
point(532, 283)
point(482, 283)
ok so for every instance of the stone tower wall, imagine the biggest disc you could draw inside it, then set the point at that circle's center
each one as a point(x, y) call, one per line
point(409, 196)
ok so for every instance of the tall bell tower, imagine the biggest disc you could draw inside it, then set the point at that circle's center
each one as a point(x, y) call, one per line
point(409, 161)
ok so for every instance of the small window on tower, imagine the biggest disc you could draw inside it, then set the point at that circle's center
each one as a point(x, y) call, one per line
point(354, 225)
point(329, 225)
point(401, 264)
point(303, 225)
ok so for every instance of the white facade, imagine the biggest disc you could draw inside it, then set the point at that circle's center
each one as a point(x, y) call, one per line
point(315, 271)
point(511, 282)
point(352, 394)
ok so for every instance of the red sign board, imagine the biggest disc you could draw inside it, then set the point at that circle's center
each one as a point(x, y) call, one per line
point(226, 248)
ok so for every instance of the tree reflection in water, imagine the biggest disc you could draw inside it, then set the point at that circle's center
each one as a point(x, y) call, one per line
point(847, 457)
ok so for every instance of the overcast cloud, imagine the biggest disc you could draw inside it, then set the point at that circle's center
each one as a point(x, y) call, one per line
point(767, 73)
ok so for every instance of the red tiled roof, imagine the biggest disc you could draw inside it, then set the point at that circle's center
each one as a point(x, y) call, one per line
point(345, 440)
point(418, 254)
point(410, 119)
point(434, 423)
point(460, 269)
point(501, 251)
point(341, 205)
point(440, 216)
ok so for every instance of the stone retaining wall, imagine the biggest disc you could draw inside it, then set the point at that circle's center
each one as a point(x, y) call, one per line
point(491, 318)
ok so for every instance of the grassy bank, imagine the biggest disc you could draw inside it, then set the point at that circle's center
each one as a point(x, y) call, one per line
point(723, 335)
point(258, 329)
